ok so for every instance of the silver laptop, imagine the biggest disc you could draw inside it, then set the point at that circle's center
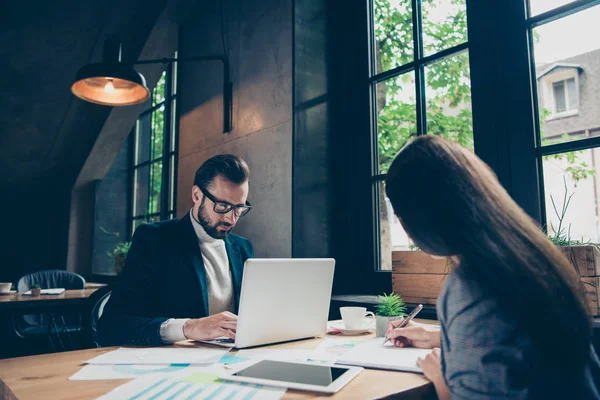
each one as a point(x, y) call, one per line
point(282, 300)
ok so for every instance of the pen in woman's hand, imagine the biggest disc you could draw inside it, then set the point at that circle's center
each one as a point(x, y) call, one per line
point(406, 320)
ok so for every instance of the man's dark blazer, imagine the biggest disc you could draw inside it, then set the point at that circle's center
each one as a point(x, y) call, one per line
point(164, 278)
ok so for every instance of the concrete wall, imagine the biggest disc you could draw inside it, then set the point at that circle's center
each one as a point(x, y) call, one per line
point(312, 218)
point(111, 215)
point(259, 42)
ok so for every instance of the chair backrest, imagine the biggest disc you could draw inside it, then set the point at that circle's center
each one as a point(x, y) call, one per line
point(47, 279)
point(52, 278)
point(96, 313)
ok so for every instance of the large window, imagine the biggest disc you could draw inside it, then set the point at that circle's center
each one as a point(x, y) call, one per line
point(154, 154)
point(420, 84)
point(565, 45)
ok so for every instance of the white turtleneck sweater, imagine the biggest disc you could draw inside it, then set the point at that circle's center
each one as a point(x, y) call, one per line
point(218, 280)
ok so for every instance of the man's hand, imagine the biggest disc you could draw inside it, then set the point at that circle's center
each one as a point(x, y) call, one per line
point(218, 325)
point(414, 334)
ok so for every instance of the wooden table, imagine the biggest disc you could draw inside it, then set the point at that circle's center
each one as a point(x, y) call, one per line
point(46, 377)
point(94, 285)
point(45, 302)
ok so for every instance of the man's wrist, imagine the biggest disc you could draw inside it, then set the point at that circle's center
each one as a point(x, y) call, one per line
point(185, 328)
point(172, 331)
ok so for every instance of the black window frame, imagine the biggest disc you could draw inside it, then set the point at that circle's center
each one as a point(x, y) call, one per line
point(168, 158)
point(503, 83)
point(542, 151)
point(418, 64)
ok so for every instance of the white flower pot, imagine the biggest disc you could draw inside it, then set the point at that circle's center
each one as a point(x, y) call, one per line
point(381, 324)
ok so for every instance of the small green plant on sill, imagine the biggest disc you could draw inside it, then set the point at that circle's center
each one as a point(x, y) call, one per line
point(562, 235)
point(120, 248)
point(118, 255)
point(34, 286)
point(391, 305)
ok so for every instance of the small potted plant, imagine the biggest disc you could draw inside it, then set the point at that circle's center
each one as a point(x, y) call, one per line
point(390, 308)
point(35, 289)
point(118, 255)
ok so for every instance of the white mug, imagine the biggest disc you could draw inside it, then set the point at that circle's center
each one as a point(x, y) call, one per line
point(354, 317)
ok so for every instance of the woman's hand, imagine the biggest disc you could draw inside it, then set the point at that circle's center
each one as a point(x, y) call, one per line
point(413, 334)
point(432, 368)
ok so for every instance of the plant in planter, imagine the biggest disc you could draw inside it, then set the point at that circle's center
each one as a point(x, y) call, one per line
point(584, 256)
point(390, 308)
point(35, 289)
point(118, 255)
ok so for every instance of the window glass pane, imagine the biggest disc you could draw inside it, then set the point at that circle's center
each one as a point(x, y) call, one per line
point(568, 50)
point(143, 137)
point(172, 182)
point(393, 33)
point(141, 179)
point(173, 124)
point(559, 96)
point(541, 6)
point(155, 187)
point(444, 24)
point(572, 94)
point(158, 126)
point(158, 94)
point(392, 236)
point(137, 222)
point(396, 116)
point(174, 76)
point(448, 98)
point(571, 182)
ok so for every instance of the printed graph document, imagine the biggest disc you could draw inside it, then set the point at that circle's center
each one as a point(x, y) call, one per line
point(192, 386)
point(132, 371)
point(159, 355)
point(372, 354)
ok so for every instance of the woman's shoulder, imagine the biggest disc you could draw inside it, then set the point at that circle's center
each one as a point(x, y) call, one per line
point(458, 291)
point(469, 300)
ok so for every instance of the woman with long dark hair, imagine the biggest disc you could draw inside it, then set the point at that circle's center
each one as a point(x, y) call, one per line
point(513, 323)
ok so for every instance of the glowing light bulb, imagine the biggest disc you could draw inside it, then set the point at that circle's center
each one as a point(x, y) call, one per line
point(109, 88)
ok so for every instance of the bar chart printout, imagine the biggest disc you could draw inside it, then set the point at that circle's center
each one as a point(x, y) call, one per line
point(191, 386)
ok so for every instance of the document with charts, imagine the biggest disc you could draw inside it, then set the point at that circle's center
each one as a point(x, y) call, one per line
point(191, 386)
point(157, 355)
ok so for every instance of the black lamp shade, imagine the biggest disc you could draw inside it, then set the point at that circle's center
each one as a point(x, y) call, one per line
point(128, 85)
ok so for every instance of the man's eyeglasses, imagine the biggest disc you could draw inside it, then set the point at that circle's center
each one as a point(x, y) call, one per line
point(223, 207)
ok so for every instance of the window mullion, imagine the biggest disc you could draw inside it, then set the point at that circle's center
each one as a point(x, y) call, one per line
point(419, 70)
point(166, 163)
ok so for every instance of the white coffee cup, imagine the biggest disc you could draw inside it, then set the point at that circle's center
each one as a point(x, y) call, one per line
point(5, 287)
point(354, 317)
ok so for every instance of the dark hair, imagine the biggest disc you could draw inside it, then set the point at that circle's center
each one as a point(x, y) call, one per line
point(227, 166)
point(451, 203)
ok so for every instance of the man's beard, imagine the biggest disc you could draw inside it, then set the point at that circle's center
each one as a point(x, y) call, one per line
point(211, 230)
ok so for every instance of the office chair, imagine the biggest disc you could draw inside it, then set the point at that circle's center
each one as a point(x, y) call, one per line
point(39, 325)
point(98, 300)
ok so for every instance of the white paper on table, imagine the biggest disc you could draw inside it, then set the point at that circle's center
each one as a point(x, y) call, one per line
point(175, 388)
point(131, 371)
point(158, 355)
point(300, 355)
point(373, 354)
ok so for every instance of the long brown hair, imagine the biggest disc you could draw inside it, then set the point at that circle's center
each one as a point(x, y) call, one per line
point(451, 203)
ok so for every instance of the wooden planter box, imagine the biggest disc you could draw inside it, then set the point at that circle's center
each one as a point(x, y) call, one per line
point(586, 261)
point(418, 278)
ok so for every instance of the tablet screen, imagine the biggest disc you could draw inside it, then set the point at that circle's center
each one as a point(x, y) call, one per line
point(319, 375)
